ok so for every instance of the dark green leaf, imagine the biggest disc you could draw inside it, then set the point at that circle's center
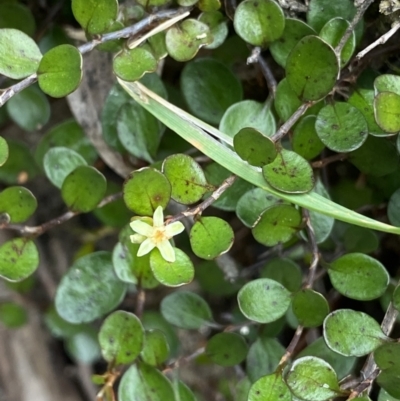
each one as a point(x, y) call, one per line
point(217, 23)
point(3, 151)
point(12, 315)
point(156, 348)
point(17, 16)
point(387, 356)
point(270, 388)
point(359, 239)
point(227, 349)
point(310, 308)
point(284, 271)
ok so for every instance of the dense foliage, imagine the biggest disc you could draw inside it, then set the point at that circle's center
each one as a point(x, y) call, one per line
point(246, 153)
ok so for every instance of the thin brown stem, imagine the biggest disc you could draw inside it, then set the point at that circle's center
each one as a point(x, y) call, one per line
point(314, 249)
point(291, 347)
point(330, 159)
point(140, 301)
point(183, 360)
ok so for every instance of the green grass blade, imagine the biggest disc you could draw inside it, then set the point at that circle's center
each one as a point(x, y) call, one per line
point(193, 131)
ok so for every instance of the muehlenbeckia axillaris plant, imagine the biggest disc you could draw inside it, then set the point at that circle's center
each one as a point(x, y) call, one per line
point(156, 235)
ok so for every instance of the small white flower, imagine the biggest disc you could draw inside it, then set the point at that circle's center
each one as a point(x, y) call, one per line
point(156, 236)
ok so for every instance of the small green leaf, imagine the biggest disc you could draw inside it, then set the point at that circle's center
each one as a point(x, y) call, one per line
point(83, 189)
point(158, 46)
point(18, 202)
point(386, 106)
point(59, 162)
point(305, 140)
point(19, 54)
point(359, 239)
point(313, 379)
point(19, 258)
point(387, 83)
point(156, 349)
point(385, 396)
point(263, 357)
point(310, 308)
point(270, 388)
point(186, 310)
point(263, 300)
point(312, 68)
point(358, 276)
point(295, 30)
point(248, 113)
point(254, 147)
point(259, 22)
point(211, 237)
point(95, 16)
point(341, 127)
point(389, 380)
point(172, 274)
point(332, 33)
point(12, 315)
point(217, 23)
point(17, 16)
point(209, 5)
point(227, 349)
point(209, 88)
point(145, 190)
point(121, 338)
point(387, 356)
point(143, 382)
point(29, 109)
point(284, 271)
point(59, 327)
point(184, 40)
point(352, 333)
point(289, 173)
point(132, 64)
point(277, 224)
point(4, 151)
point(188, 182)
point(89, 289)
point(83, 346)
point(60, 71)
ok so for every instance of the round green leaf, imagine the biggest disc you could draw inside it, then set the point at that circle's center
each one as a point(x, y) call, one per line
point(143, 382)
point(263, 357)
point(341, 127)
point(387, 83)
point(312, 68)
point(389, 380)
point(358, 276)
point(186, 310)
point(158, 46)
point(172, 274)
point(277, 224)
point(269, 388)
point(305, 140)
point(211, 237)
point(17, 16)
point(387, 356)
point(60, 71)
point(19, 258)
point(184, 40)
point(284, 271)
point(95, 16)
point(377, 157)
point(253, 203)
point(343, 365)
point(83, 346)
point(295, 30)
point(132, 64)
point(360, 239)
point(68, 134)
point(289, 172)
point(352, 333)
point(19, 54)
point(145, 190)
point(83, 189)
point(263, 300)
point(29, 109)
point(313, 379)
point(188, 182)
point(18, 202)
point(12, 315)
point(386, 106)
point(4, 151)
point(209, 88)
point(60, 328)
point(121, 338)
point(254, 147)
point(227, 349)
point(156, 348)
point(248, 113)
point(332, 33)
point(183, 392)
point(385, 396)
point(259, 22)
point(209, 5)
point(217, 23)
point(89, 289)
point(310, 308)
point(59, 162)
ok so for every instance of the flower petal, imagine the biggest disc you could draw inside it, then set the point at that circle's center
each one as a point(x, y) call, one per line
point(142, 228)
point(137, 238)
point(158, 217)
point(167, 251)
point(147, 246)
point(174, 229)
